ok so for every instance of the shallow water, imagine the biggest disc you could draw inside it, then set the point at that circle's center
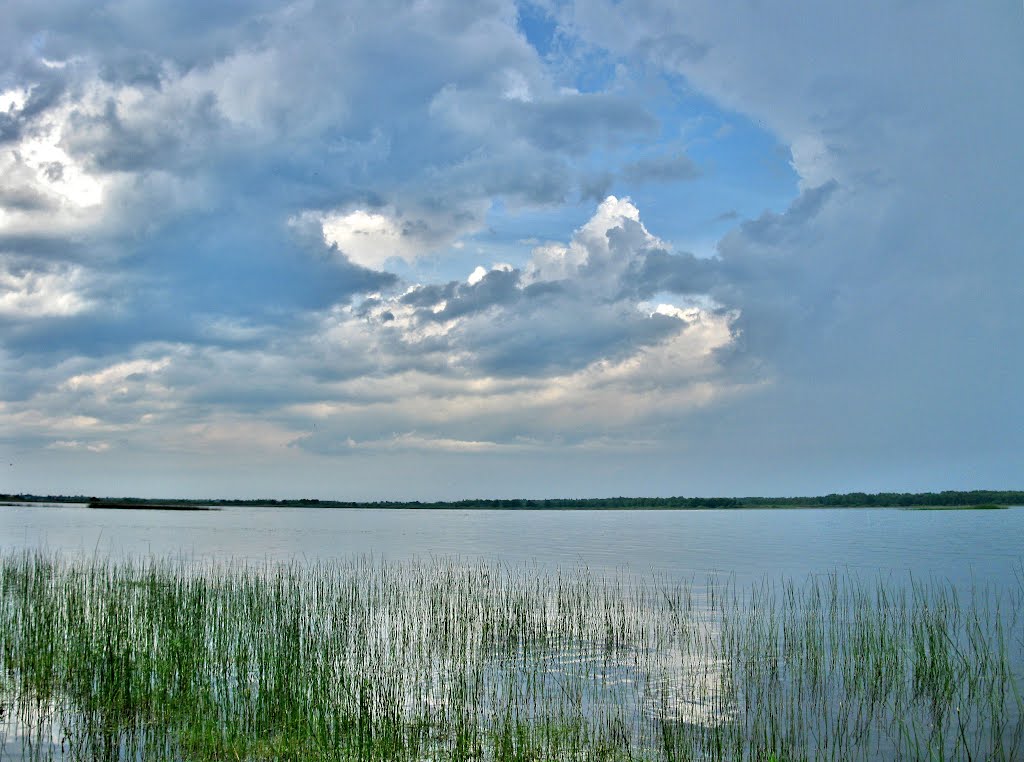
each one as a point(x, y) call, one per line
point(638, 684)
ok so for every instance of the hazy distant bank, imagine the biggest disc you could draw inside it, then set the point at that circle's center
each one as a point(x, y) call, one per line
point(947, 500)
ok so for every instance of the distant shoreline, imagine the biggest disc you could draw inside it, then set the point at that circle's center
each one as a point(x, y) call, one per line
point(948, 500)
point(378, 507)
point(144, 506)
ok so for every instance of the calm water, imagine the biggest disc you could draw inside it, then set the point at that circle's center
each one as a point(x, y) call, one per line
point(963, 547)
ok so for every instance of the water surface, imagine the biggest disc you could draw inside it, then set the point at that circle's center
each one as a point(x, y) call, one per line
point(655, 677)
point(966, 548)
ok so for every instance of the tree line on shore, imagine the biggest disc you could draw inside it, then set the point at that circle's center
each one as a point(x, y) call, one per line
point(948, 498)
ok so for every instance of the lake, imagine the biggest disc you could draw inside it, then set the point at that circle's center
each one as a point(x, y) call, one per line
point(961, 547)
point(511, 634)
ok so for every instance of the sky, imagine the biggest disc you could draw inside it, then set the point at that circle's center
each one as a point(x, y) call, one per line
point(439, 250)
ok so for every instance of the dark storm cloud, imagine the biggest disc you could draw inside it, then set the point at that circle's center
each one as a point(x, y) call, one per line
point(595, 186)
point(43, 94)
point(560, 338)
point(523, 175)
point(112, 145)
point(24, 199)
point(566, 122)
point(49, 247)
point(573, 123)
point(770, 229)
point(496, 288)
point(188, 33)
point(9, 128)
point(681, 273)
point(44, 87)
point(139, 68)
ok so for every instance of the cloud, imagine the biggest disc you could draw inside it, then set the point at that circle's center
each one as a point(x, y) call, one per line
point(369, 238)
point(661, 169)
point(192, 172)
point(29, 293)
point(117, 374)
point(220, 226)
point(74, 444)
point(572, 305)
point(500, 363)
point(330, 444)
point(855, 299)
point(609, 404)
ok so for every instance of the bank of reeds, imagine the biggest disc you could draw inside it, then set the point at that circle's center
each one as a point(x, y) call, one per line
point(444, 660)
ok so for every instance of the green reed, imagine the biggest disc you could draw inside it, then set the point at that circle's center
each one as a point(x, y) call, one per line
point(445, 660)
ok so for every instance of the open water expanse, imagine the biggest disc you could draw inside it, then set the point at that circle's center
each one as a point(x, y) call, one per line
point(962, 548)
point(313, 633)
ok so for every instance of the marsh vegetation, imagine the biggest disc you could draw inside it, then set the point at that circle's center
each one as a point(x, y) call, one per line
point(443, 660)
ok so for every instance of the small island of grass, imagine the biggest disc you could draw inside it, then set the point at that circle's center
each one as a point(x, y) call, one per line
point(135, 505)
point(980, 507)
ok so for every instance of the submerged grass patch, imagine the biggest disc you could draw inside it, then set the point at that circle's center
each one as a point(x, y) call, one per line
point(445, 660)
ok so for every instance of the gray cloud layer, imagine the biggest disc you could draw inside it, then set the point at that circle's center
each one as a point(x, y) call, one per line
point(168, 176)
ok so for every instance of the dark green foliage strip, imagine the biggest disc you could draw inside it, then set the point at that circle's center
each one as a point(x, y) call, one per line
point(975, 498)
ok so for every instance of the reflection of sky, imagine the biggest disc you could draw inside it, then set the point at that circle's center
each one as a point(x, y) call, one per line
point(691, 545)
point(638, 655)
point(27, 725)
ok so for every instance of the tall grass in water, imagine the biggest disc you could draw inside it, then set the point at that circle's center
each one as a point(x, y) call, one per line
point(422, 661)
